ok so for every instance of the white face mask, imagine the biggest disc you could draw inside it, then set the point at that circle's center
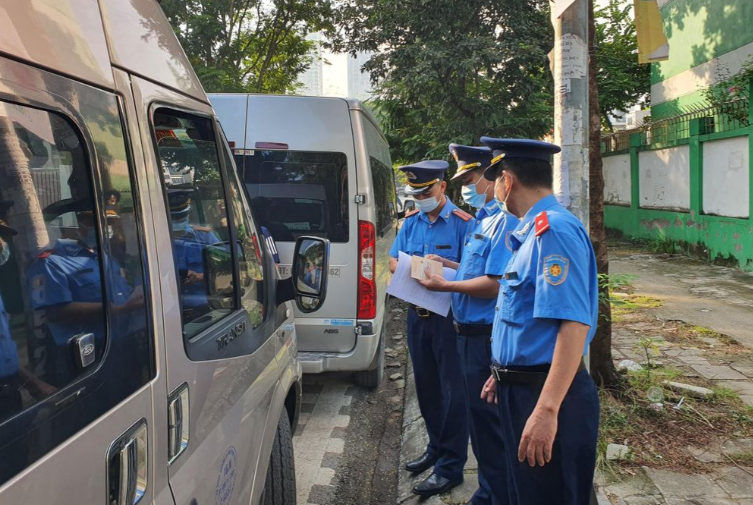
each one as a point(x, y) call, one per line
point(428, 204)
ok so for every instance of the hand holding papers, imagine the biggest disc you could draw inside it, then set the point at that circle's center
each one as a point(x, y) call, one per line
point(405, 287)
point(419, 266)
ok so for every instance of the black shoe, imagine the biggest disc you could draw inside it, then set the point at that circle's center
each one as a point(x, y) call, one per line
point(421, 464)
point(434, 484)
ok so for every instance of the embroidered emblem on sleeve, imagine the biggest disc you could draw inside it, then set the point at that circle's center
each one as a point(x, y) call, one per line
point(555, 269)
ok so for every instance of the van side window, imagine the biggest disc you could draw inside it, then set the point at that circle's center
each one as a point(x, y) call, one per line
point(251, 278)
point(384, 189)
point(198, 218)
point(73, 321)
point(51, 288)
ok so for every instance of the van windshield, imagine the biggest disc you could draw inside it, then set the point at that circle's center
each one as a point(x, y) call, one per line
point(298, 193)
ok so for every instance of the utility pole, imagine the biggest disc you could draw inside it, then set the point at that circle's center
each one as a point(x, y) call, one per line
point(571, 105)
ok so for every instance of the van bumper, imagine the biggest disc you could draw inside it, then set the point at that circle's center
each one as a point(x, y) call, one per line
point(355, 360)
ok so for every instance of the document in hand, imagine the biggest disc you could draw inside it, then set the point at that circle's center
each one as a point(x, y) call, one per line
point(419, 265)
point(406, 288)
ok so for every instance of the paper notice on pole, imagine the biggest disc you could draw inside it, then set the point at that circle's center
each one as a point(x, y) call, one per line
point(419, 266)
point(406, 288)
point(574, 56)
point(560, 6)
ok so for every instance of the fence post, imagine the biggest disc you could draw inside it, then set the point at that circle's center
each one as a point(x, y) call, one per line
point(697, 128)
point(750, 151)
point(635, 192)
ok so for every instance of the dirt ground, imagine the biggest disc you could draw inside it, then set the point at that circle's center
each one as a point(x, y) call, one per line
point(367, 473)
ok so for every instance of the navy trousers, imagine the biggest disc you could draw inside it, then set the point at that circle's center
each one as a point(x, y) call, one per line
point(486, 437)
point(568, 478)
point(441, 394)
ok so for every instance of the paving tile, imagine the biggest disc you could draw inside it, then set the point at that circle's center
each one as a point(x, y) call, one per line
point(718, 372)
point(706, 455)
point(678, 485)
point(737, 482)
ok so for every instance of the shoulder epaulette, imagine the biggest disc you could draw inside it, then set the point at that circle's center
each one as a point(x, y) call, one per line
point(412, 213)
point(462, 214)
point(542, 224)
point(45, 254)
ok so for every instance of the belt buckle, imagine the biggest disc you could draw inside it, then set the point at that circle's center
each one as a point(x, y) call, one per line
point(457, 326)
point(422, 312)
point(498, 373)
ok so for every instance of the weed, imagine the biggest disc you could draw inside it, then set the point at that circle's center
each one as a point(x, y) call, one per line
point(724, 394)
point(743, 458)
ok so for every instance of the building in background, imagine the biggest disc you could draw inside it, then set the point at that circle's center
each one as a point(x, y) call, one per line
point(337, 75)
point(708, 41)
point(683, 179)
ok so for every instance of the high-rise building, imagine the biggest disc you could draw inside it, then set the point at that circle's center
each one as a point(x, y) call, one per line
point(312, 79)
point(359, 82)
point(335, 74)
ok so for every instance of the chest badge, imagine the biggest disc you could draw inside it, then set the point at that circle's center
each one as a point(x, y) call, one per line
point(555, 269)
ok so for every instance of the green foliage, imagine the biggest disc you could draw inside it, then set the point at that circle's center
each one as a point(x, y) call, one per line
point(451, 71)
point(622, 82)
point(729, 88)
point(248, 45)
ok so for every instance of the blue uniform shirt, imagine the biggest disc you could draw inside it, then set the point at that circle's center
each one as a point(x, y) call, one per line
point(71, 273)
point(444, 237)
point(8, 349)
point(486, 252)
point(550, 278)
point(189, 255)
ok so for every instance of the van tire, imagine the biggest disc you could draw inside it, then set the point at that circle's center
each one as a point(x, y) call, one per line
point(279, 488)
point(372, 377)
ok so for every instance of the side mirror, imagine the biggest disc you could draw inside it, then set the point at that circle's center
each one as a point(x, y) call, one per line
point(408, 206)
point(310, 272)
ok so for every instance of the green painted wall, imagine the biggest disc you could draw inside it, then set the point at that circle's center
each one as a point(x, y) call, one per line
point(700, 30)
point(677, 106)
point(713, 237)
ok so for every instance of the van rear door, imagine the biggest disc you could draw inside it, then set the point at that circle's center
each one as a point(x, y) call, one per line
point(299, 172)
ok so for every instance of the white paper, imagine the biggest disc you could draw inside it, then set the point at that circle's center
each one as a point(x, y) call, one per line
point(406, 288)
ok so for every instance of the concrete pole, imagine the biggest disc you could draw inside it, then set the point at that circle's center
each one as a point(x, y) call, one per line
point(571, 108)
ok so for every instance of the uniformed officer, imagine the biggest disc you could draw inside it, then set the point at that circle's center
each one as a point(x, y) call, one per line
point(10, 385)
point(66, 282)
point(189, 242)
point(475, 288)
point(546, 316)
point(436, 227)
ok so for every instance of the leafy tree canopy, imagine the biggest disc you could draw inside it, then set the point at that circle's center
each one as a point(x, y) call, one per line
point(453, 70)
point(257, 46)
point(622, 82)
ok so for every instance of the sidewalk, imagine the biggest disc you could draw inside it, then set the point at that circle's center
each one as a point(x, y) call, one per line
point(703, 330)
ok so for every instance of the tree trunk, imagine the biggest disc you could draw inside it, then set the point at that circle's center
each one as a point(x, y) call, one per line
point(17, 186)
point(602, 366)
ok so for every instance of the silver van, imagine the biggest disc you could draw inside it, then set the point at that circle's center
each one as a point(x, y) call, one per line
point(321, 166)
point(147, 345)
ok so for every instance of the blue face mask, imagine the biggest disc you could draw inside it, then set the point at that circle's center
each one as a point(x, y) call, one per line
point(472, 197)
point(500, 204)
point(428, 204)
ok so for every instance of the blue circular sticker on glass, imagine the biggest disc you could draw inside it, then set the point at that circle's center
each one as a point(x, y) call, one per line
point(226, 478)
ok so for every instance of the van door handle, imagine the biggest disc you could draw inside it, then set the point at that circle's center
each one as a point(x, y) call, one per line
point(177, 422)
point(127, 466)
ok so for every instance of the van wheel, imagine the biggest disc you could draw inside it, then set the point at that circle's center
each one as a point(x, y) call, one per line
point(279, 489)
point(372, 377)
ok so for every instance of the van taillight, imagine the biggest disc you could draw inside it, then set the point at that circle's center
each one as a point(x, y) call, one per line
point(366, 284)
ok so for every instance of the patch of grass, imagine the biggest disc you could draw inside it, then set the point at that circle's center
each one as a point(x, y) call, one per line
point(691, 334)
point(641, 380)
point(724, 394)
point(624, 305)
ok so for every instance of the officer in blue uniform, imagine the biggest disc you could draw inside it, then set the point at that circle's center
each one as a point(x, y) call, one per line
point(475, 288)
point(189, 242)
point(66, 282)
point(436, 227)
point(10, 391)
point(546, 316)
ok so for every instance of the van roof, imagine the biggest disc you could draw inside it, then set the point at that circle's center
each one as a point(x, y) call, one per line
point(74, 38)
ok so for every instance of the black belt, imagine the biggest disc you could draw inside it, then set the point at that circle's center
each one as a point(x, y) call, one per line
point(422, 312)
point(473, 330)
point(9, 386)
point(525, 374)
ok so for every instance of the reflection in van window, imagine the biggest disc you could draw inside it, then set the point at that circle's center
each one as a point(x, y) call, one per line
point(198, 214)
point(298, 193)
point(52, 290)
